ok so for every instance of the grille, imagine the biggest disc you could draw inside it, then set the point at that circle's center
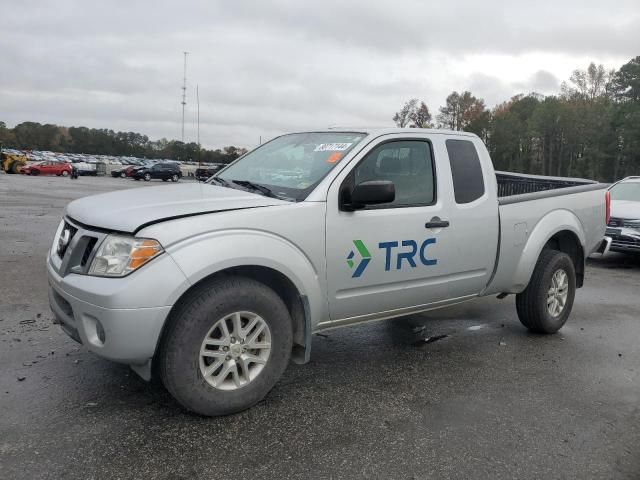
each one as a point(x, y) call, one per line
point(624, 222)
point(62, 303)
point(75, 249)
point(626, 242)
point(67, 234)
point(87, 251)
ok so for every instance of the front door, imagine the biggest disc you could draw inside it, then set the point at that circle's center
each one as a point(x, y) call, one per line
point(388, 257)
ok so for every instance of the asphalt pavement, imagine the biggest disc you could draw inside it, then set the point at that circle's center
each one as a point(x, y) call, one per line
point(464, 392)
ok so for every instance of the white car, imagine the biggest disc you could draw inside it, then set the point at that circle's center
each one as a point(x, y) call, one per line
point(624, 224)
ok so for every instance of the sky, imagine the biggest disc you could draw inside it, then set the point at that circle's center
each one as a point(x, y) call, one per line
point(263, 68)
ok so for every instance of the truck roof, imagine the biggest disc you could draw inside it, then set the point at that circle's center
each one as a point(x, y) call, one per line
point(377, 131)
point(633, 179)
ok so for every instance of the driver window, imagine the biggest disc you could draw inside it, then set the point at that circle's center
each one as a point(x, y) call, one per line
point(408, 164)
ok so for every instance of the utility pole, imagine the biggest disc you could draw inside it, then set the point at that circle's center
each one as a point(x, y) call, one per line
point(184, 91)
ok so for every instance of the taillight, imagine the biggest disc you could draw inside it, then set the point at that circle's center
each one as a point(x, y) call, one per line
point(607, 202)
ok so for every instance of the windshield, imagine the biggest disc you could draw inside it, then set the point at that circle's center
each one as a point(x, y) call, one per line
point(626, 191)
point(292, 165)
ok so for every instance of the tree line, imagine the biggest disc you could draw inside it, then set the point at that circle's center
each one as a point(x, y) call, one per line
point(100, 141)
point(591, 128)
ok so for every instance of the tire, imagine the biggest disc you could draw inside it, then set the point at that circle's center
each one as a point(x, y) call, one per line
point(147, 177)
point(192, 321)
point(35, 172)
point(123, 175)
point(174, 178)
point(14, 168)
point(532, 304)
point(65, 173)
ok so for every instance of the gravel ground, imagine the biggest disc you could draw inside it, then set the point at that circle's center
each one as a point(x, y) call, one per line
point(486, 400)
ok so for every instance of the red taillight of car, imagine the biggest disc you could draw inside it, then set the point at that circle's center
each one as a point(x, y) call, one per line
point(607, 202)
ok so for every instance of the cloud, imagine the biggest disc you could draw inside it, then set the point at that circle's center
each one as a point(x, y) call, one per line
point(267, 67)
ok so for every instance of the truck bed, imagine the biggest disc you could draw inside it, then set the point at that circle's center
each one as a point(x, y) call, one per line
point(518, 183)
point(531, 208)
point(519, 187)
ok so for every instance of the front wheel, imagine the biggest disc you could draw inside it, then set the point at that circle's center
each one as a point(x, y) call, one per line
point(226, 346)
point(147, 177)
point(546, 303)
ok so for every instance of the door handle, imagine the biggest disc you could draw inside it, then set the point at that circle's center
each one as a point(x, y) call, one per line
point(435, 222)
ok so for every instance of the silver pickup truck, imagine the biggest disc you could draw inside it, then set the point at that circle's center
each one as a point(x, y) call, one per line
point(219, 284)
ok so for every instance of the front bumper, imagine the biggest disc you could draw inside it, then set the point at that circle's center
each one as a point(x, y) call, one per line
point(120, 319)
point(122, 335)
point(624, 240)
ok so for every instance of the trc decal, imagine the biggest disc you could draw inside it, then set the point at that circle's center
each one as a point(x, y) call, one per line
point(409, 255)
point(397, 254)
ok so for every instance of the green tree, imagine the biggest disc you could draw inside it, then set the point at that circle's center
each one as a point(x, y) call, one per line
point(420, 116)
point(402, 118)
point(460, 111)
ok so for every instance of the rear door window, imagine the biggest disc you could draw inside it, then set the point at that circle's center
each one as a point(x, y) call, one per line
point(466, 171)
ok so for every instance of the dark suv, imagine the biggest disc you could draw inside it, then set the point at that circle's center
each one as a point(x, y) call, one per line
point(204, 173)
point(163, 171)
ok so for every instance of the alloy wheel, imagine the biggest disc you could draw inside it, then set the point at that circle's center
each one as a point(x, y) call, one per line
point(235, 350)
point(557, 293)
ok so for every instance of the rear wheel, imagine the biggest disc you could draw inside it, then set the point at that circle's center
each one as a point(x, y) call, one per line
point(226, 346)
point(174, 177)
point(546, 303)
point(65, 173)
point(35, 172)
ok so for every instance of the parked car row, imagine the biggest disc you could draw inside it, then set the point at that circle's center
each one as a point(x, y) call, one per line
point(161, 171)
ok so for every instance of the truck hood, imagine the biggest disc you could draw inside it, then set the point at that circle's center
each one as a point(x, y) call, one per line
point(625, 209)
point(128, 210)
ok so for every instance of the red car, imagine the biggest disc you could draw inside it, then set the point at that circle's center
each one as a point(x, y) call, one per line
point(124, 171)
point(47, 168)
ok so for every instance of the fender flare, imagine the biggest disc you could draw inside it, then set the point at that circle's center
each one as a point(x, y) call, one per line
point(548, 226)
point(205, 255)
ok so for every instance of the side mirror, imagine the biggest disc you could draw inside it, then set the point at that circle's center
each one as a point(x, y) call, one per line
point(373, 192)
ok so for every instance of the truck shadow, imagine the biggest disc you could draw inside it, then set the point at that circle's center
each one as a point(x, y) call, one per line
point(614, 260)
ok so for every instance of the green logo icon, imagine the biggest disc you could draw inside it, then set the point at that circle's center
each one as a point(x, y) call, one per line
point(365, 258)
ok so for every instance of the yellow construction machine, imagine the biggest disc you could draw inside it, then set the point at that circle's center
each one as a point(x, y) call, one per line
point(12, 162)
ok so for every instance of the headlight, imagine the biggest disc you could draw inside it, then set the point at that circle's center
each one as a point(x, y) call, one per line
point(119, 255)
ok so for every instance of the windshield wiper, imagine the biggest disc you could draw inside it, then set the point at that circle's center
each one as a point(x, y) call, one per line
point(222, 181)
point(267, 192)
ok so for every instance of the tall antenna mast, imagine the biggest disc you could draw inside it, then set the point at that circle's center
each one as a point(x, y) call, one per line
point(184, 91)
point(198, 103)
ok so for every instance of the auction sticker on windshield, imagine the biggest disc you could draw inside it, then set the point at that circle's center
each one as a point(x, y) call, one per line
point(332, 147)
